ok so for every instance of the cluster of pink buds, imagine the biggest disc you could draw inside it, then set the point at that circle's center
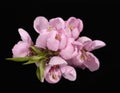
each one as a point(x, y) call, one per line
point(58, 49)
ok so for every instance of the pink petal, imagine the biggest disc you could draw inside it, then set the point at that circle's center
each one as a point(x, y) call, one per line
point(76, 23)
point(41, 41)
point(40, 23)
point(68, 32)
point(21, 49)
point(57, 23)
point(56, 60)
point(52, 42)
point(53, 76)
point(75, 53)
point(82, 66)
point(67, 53)
point(80, 26)
point(78, 45)
point(77, 61)
point(96, 44)
point(63, 41)
point(92, 63)
point(68, 72)
point(47, 69)
point(75, 33)
point(71, 21)
point(84, 39)
point(25, 36)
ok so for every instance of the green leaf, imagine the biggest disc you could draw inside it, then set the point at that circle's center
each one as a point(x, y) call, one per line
point(19, 59)
point(29, 62)
point(40, 71)
point(36, 50)
point(36, 58)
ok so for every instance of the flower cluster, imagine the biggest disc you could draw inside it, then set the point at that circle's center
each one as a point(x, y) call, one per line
point(58, 49)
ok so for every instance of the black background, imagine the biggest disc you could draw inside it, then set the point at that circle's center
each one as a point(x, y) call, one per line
point(101, 21)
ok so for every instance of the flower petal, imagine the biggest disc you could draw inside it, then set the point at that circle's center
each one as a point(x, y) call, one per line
point(84, 39)
point(57, 23)
point(41, 41)
point(56, 60)
point(68, 72)
point(75, 23)
point(75, 33)
point(63, 41)
point(21, 49)
point(68, 33)
point(78, 45)
point(25, 36)
point(77, 61)
point(96, 44)
point(71, 21)
point(92, 63)
point(80, 26)
point(53, 76)
point(75, 53)
point(74, 26)
point(47, 69)
point(40, 23)
point(67, 52)
point(52, 42)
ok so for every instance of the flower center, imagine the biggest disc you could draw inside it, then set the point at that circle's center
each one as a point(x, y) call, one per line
point(50, 28)
point(71, 27)
point(54, 76)
point(83, 55)
point(55, 72)
point(55, 67)
point(57, 37)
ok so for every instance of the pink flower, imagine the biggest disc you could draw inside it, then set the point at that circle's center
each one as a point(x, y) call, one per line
point(51, 40)
point(71, 49)
point(51, 33)
point(41, 41)
point(73, 27)
point(41, 23)
point(56, 41)
point(58, 49)
point(21, 49)
point(56, 68)
point(58, 24)
point(85, 58)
